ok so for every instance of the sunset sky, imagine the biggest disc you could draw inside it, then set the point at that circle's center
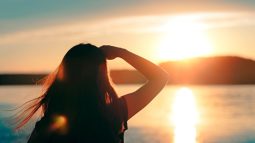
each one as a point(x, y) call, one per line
point(35, 35)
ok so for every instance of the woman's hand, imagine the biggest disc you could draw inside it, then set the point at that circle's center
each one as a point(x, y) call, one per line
point(111, 52)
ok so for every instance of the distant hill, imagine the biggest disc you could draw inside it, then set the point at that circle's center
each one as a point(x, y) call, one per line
point(211, 70)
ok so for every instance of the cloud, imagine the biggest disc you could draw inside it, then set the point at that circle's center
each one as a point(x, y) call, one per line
point(37, 42)
point(132, 24)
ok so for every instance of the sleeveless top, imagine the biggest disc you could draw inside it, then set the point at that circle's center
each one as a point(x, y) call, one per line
point(87, 133)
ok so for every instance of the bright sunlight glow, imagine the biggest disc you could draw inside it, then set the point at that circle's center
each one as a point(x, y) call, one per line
point(184, 117)
point(184, 38)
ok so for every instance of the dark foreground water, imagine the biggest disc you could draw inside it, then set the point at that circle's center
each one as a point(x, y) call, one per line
point(192, 114)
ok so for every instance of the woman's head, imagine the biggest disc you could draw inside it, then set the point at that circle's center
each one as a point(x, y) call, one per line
point(83, 66)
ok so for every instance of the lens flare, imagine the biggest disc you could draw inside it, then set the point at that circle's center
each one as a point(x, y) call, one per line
point(185, 117)
point(59, 124)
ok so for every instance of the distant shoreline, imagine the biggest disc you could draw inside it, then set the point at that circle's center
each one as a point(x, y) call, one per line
point(221, 70)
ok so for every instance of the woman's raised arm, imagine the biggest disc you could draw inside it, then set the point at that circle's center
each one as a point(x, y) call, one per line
point(156, 76)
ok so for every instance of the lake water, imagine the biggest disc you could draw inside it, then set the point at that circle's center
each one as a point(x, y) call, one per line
point(191, 114)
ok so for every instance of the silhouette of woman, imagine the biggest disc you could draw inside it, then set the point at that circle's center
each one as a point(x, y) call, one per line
point(79, 103)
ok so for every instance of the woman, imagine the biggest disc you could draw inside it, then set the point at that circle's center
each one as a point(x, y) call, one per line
point(79, 103)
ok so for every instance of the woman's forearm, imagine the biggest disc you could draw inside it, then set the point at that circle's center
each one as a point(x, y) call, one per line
point(147, 68)
point(157, 78)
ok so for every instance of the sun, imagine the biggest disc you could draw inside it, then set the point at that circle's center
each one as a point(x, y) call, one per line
point(183, 38)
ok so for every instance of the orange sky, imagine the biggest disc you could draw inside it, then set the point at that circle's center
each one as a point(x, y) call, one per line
point(37, 42)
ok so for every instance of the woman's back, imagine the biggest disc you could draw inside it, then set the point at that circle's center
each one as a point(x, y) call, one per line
point(74, 115)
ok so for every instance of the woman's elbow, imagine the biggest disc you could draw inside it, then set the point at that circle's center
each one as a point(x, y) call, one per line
point(166, 77)
point(163, 78)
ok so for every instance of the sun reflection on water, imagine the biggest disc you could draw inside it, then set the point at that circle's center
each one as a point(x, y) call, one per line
point(185, 116)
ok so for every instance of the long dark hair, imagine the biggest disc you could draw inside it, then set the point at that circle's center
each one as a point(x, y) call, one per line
point(83, 70)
